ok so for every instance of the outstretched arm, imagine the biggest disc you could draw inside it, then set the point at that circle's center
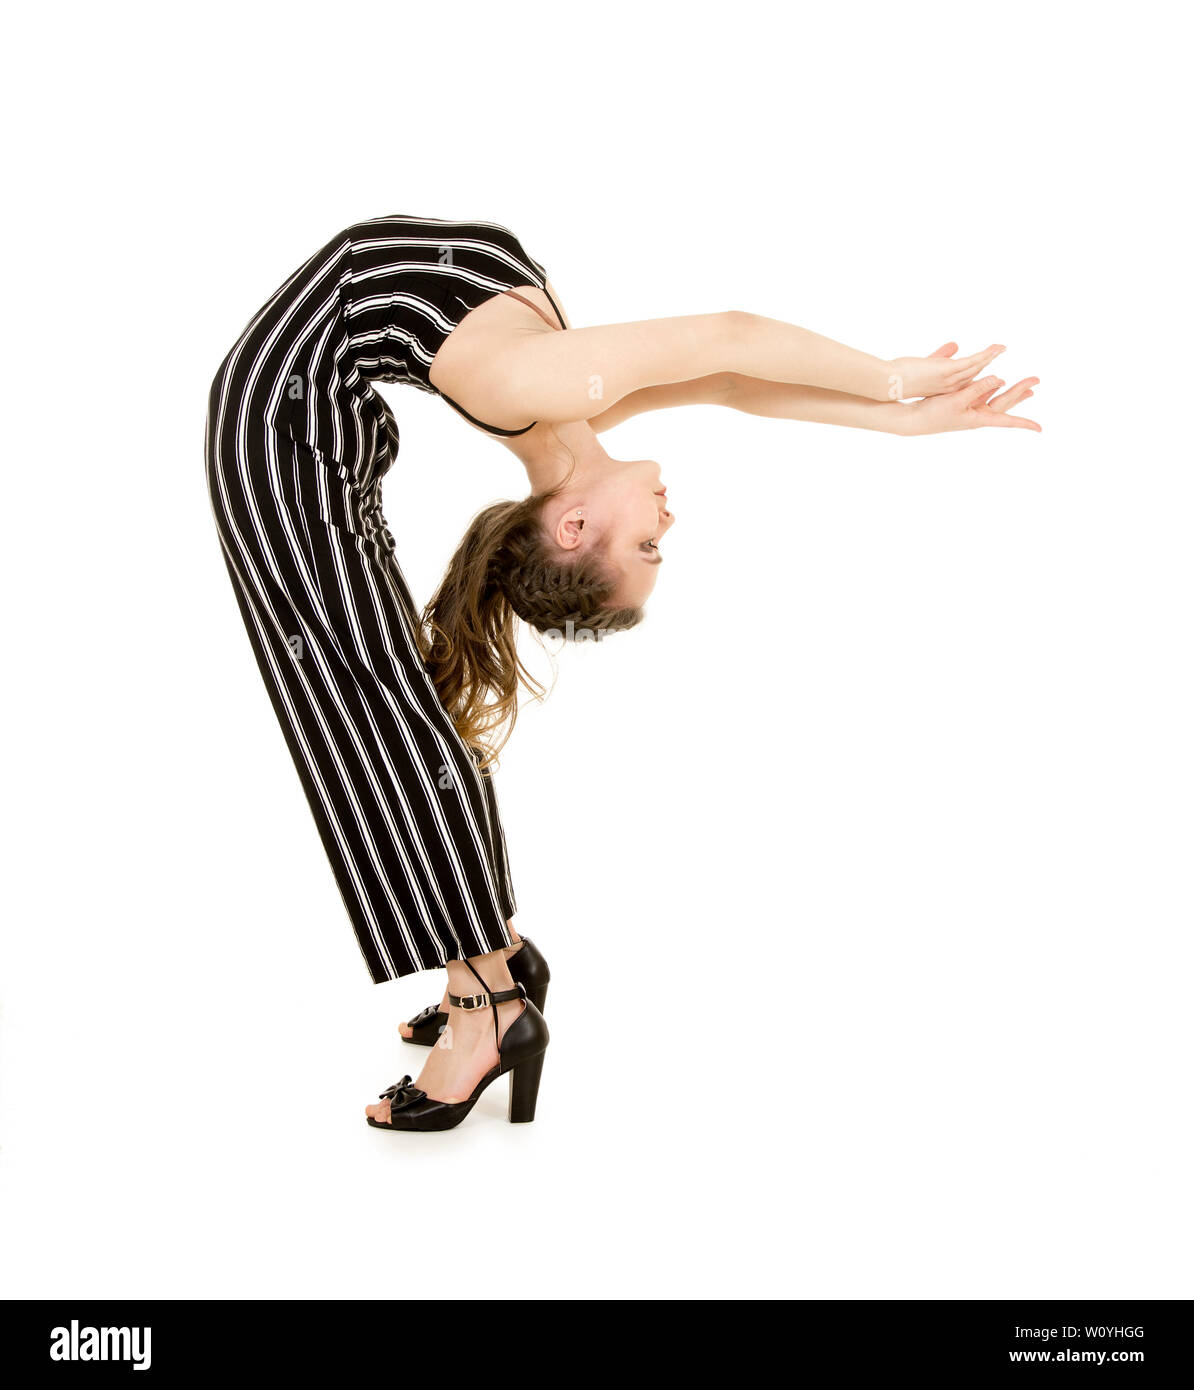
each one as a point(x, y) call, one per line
point(967, 407)
point(579, 373)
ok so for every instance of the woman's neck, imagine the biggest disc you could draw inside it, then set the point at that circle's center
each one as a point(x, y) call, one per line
point(556, 454)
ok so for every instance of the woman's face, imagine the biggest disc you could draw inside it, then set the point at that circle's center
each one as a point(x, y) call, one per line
point(624, 511)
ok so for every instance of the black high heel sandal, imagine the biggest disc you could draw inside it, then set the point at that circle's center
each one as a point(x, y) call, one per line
point(520, 1053)
point(527, 967)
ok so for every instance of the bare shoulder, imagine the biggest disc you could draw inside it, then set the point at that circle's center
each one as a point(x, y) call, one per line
point(463, 367)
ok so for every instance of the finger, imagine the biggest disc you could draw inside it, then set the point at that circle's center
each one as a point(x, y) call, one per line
point(945, 350)
point(961, 375)
point(984, 402)
point(1014, 394)
point(977, 361)
point(974, 393)
point(1017, 422)
point(1019, 392)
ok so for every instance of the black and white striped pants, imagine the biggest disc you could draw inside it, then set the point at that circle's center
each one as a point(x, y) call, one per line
point(408, 820)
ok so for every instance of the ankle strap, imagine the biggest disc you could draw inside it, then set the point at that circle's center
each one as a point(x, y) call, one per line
point(469, 1002)
point(488, 999)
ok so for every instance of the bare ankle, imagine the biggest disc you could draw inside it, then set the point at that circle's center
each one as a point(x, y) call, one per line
point(488, 974)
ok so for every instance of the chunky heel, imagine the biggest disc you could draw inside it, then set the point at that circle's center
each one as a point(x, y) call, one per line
point(524, 1089)
point(538, 997)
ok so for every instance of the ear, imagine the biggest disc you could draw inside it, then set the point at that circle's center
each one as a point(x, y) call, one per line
point(570, 528)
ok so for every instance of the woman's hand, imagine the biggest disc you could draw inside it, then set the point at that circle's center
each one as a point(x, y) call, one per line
point(938, 374)
point(971, 407)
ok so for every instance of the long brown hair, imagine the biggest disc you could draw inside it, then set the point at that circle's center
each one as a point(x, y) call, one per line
point(507, 566)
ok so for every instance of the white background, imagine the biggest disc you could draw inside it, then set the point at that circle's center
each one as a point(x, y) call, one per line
point(863, 866)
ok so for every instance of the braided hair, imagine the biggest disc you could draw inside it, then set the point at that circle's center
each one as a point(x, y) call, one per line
point(508, 566)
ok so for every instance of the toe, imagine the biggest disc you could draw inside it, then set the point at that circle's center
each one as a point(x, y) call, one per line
point(405, 1029)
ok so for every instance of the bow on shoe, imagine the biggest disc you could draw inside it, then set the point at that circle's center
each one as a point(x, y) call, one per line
point(402, 1094)
point(425, 1017)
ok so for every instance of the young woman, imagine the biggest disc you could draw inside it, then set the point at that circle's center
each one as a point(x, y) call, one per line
point(392, 718)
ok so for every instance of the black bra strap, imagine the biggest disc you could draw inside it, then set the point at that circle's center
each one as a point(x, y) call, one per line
point(493, 429)
point(554, 305)
point(513, 294)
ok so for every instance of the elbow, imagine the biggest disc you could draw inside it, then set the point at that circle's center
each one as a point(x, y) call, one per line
point(735, 323)
point(733, 333)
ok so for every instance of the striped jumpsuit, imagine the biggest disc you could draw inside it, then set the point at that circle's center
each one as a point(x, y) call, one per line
point(297, 444)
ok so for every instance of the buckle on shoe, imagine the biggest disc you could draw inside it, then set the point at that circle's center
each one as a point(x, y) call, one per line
point(469, 1002)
